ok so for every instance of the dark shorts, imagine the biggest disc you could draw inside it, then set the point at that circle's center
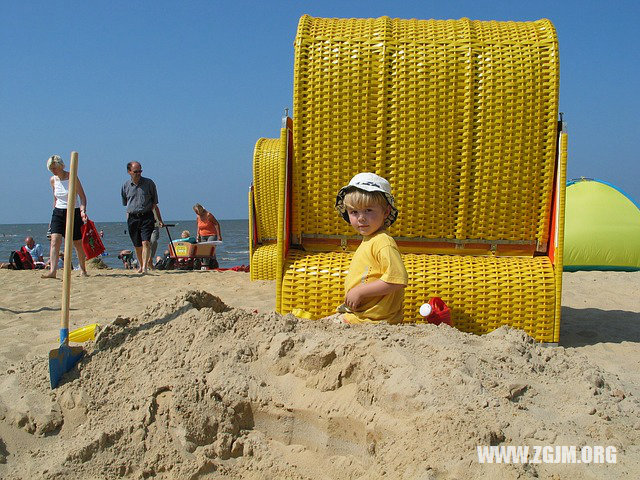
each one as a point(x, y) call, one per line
point(141, 227)
point(59, 222)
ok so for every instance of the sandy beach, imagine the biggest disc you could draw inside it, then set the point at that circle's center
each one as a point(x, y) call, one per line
point(194, 376)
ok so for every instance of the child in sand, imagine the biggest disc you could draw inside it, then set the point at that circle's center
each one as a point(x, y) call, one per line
point(376, 279)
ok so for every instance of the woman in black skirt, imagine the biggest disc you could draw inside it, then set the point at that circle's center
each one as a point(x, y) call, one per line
point(60, 186)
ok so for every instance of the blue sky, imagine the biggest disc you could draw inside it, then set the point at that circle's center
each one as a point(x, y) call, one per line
point(187, 87)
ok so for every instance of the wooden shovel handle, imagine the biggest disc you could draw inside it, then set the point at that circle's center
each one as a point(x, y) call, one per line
point(68, 248)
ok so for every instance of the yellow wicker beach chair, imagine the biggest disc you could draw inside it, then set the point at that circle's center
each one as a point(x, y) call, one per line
point(263, 210)
point(461, 117)
point(269, 163)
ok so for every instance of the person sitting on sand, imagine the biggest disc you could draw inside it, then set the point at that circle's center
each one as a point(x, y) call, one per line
point(374, 286)
point(36, 251)
point(165, 262)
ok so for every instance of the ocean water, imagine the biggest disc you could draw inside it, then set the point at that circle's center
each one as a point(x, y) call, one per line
point(233, 251)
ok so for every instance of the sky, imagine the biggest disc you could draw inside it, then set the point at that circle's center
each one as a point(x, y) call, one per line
point(186, 88)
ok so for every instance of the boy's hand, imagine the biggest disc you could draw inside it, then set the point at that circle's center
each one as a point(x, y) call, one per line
point(353, 298)
point(358, 294)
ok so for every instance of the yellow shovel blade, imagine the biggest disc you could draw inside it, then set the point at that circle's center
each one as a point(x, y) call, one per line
point(83, 334)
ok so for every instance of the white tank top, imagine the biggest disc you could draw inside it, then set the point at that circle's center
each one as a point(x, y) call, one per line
point(61, 192)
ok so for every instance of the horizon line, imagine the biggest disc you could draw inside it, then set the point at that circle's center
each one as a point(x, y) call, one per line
point(125, 221)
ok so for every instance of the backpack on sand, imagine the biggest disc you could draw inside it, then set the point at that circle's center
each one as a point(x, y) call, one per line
point(21, 259)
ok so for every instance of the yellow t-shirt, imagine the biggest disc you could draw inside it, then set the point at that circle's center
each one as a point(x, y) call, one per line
point(377, 258)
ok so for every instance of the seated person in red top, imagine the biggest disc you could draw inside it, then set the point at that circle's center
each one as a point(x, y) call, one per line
point(208, 229)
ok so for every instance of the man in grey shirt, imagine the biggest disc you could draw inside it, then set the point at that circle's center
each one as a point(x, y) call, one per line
point(140, 197)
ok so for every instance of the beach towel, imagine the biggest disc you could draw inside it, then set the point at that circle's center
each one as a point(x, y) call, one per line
point(237, 268)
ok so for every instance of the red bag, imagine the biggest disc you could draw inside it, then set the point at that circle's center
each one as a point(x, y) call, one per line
point(440, 312)
point(21, 259)
point(91, 242)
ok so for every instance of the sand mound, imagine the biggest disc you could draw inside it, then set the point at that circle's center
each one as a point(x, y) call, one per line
point(194, 389)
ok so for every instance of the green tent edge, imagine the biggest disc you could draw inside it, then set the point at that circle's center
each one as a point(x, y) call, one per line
point(615, 187)
point(603, 268)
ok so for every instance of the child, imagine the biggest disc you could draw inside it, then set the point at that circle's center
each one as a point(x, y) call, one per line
point(376, 280)
point(127, 258)
point(185, 236)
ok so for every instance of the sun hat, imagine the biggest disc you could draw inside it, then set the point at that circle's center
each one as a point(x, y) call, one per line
point(54, 159)
point(369, 182)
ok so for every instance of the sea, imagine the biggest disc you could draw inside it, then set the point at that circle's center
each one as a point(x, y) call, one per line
point(233, 251)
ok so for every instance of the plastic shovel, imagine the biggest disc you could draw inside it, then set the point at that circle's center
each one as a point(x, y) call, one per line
point(63, 359)
point(84, 334)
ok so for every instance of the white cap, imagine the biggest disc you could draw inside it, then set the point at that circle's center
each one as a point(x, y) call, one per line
point(369, 182)
point(425, 310)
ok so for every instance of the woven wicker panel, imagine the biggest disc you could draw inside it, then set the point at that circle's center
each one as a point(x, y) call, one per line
point(264, 262)
point(459, 115)
point(483, 292)
point(314, 282)
point(266, 158)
